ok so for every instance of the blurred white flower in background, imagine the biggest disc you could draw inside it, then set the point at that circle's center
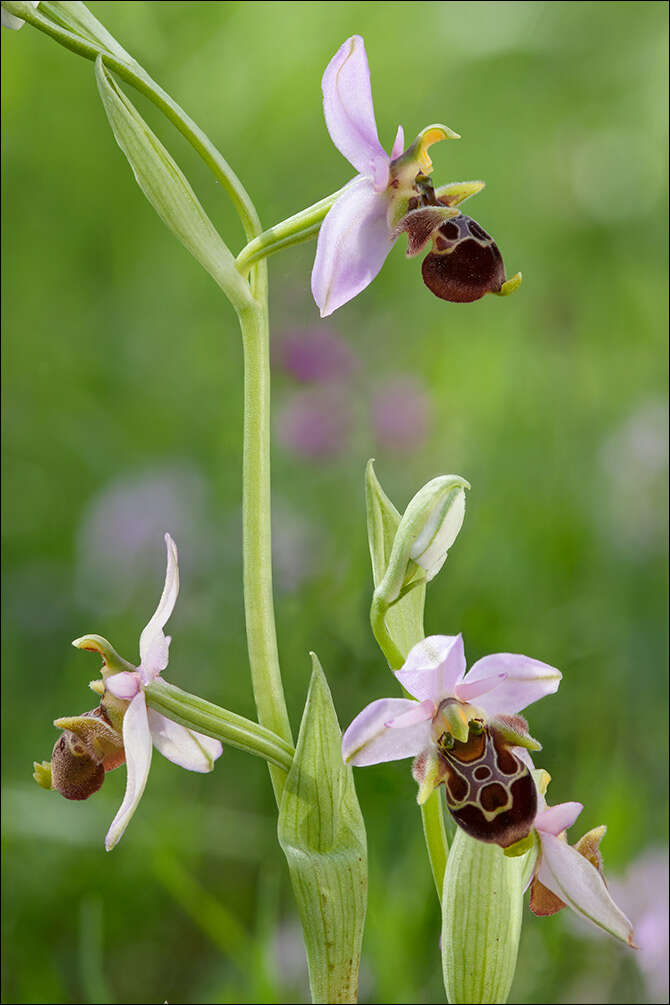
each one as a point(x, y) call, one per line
point(634, 461)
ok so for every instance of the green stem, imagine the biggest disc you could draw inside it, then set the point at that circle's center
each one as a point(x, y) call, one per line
point(205, 717)
point(134, 74)
point(256, 526)
point(294, 230)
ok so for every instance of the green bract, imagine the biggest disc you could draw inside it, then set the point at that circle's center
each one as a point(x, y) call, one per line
point(482, 906)
point(322, 833)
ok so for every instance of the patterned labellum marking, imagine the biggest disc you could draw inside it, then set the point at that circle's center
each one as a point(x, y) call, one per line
point(465, 262)
point(490, 791)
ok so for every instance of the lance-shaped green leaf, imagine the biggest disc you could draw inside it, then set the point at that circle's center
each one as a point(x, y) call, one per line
point(168, 191)
point(482, 906)
point(322, 833)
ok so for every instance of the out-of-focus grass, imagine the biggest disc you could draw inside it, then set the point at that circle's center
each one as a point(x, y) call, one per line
point(122, 399)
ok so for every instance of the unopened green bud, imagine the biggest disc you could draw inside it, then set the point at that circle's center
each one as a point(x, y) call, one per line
point(428, 528)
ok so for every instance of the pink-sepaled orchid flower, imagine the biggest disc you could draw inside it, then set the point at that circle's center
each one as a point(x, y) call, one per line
point(391, 194)
point(464, 731)
point(572, 876)
point(143, 727)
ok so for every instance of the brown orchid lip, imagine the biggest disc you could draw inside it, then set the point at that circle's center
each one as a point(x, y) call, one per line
point(465, 262)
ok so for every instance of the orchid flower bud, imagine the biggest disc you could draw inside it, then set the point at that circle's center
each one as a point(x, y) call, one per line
point(427, 529)
point(439, 533)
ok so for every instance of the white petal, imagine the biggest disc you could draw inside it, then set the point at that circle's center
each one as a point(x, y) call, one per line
point(558, 818)
point(183, 746)
point(579, 884)
point(527, 681)
point(349, 113)
point(137, 746)
point(153, 643)
point(368, 740)
point(354, 241)
point(433, 667)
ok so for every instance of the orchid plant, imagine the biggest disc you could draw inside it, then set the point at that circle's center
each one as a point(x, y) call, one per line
point(463, 729)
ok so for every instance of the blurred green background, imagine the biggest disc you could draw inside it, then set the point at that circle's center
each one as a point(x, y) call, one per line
point(122, 419)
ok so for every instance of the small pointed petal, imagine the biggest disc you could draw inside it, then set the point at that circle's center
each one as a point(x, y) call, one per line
point(469, 690)
point(558, 818)
point(183, 746)
point(368, 740)
point(579, 885)
point(527, 681)
point(137, 744)
point(123, 685)
point(457, 192)
point(429, 771)
point(433, 667)
point(398, 143)
point(354, 241)
point(422, 710)
point(154, 645)
point(349, 112)
point(543, 903)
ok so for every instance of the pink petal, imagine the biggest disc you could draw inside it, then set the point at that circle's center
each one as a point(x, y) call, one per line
point(579, 884)
point(368, 740)
point(354, 241)
point(558, 818)
point(398, 143)
point(137, 745)
point(153, 643)
point(473, 689)
point(349, 113)
point(433, 667)
point(183, 746)
point(422, 710)
point(124, 685)
point(527, 681)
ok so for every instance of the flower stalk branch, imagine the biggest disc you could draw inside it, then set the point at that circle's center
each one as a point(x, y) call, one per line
point(234, 730)
point(294, 230)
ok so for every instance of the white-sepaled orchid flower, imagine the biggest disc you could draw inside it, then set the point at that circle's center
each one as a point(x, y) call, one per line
point(392, 194)
point(143, 727)
point(463, 730)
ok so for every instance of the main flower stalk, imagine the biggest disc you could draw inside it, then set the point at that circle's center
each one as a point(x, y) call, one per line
point(256, 523)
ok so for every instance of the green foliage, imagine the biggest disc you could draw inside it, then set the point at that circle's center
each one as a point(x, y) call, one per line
point(322, 834)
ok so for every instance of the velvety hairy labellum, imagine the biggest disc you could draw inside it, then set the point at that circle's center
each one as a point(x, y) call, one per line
point(465, 262)
point(490, 791)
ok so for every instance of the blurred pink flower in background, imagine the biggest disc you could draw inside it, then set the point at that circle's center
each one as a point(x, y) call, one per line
point(315, 423)
point(400, 413)
point(314, 354)
point(643, 894)
point(116, 546)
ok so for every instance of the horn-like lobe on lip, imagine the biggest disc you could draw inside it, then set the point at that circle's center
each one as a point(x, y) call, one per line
point(465, 262)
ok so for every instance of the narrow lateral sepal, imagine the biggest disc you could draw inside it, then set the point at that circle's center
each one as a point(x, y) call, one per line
point(322, 834)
